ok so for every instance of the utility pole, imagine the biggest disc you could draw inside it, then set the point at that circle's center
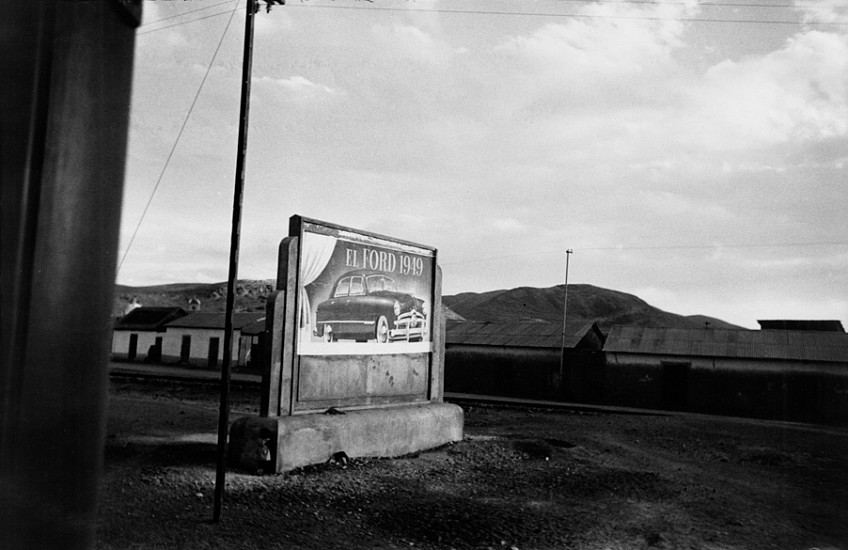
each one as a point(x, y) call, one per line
point(568, 254)
point(238, 193)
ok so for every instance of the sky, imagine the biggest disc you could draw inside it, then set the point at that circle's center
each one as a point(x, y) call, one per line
point(694, 154)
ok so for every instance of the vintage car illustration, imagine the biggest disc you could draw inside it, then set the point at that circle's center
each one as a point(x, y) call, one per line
point(364, 305)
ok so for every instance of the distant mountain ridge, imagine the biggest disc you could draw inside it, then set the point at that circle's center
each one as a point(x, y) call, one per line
point(585, 303)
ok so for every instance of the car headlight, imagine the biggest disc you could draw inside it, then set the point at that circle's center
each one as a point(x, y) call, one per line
point(397, 308)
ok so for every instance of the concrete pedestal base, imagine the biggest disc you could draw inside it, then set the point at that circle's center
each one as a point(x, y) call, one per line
point(284, 443)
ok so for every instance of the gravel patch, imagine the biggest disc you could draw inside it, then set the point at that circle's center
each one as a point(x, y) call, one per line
point(521, 479)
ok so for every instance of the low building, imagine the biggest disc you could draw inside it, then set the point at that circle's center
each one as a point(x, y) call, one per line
point(252, 344)
point(198, 339)
point(782, 374)
point(796, 324)
point(139, 335)
point(523, 359)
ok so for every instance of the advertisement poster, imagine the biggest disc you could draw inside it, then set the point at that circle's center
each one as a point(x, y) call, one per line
point(362, 294)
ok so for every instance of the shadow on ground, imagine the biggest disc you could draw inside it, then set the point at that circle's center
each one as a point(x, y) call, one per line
point(158, 453)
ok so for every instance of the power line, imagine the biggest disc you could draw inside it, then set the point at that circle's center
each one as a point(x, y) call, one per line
point(700, 5)
point(189, 12)
point(371, 6)
point(656, 247)
point(573, 15)
point(177, 140)
point(714, 246)
point(183, 23)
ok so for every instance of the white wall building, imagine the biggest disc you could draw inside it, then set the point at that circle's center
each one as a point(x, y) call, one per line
point(198, 339)
point(140, 334)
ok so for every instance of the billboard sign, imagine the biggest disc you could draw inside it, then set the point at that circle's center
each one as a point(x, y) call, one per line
point(362, 294)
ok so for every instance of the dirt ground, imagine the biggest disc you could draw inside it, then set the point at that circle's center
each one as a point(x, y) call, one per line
point(521, 479)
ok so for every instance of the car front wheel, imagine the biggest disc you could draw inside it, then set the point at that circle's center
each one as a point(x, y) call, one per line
point(382, 330)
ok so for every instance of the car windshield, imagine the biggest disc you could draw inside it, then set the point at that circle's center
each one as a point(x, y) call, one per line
point(376, 283)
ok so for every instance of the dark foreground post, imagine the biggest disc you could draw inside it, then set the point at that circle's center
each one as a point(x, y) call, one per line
point(224, 414)
point(64, 103)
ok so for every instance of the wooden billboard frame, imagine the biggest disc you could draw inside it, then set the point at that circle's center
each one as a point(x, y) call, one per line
point(284, 370)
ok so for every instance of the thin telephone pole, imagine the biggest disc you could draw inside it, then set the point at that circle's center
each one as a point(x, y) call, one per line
point(568, 254)
point(238, 193)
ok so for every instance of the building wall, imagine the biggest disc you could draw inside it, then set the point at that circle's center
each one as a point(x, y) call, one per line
point(200, 342)
point(787, 390)
point(172, 345)
point(121, 343)
point(795, 391)
point(530, 373)
point(248, 351)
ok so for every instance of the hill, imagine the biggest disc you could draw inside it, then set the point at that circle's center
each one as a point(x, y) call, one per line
point(585, 303)
point(250, 295)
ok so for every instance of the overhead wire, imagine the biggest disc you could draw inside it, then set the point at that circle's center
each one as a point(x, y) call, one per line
point(700, 4)
point(177, 140)
point(653, 247)
point(372, 6)
point(139, 33)
point(188, 12)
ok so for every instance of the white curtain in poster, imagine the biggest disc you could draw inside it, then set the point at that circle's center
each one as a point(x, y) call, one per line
point(316, 250)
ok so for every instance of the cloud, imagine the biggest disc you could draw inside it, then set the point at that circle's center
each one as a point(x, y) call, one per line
point(502, 141)
point(610, 40)
point(822, 11)
point(620, 84)
point(267, 24)
point(296, 87)
point(797, 93)
point(677, 204)
point(508, 226)
point(743, 166)
point(411, 43)
point(652, 165)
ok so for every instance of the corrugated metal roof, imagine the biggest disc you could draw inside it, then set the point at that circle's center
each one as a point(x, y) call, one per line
point(798, 324)
point(254, 328)
point(214, 320)
point(533, 334)
point(744, 344)
point(149, 318)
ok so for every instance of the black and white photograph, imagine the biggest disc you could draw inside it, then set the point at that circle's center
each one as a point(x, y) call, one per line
point(424, 274)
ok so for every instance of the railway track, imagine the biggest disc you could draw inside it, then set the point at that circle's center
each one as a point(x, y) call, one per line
point(172, 378)
point(165, 375)
point(245, 393)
